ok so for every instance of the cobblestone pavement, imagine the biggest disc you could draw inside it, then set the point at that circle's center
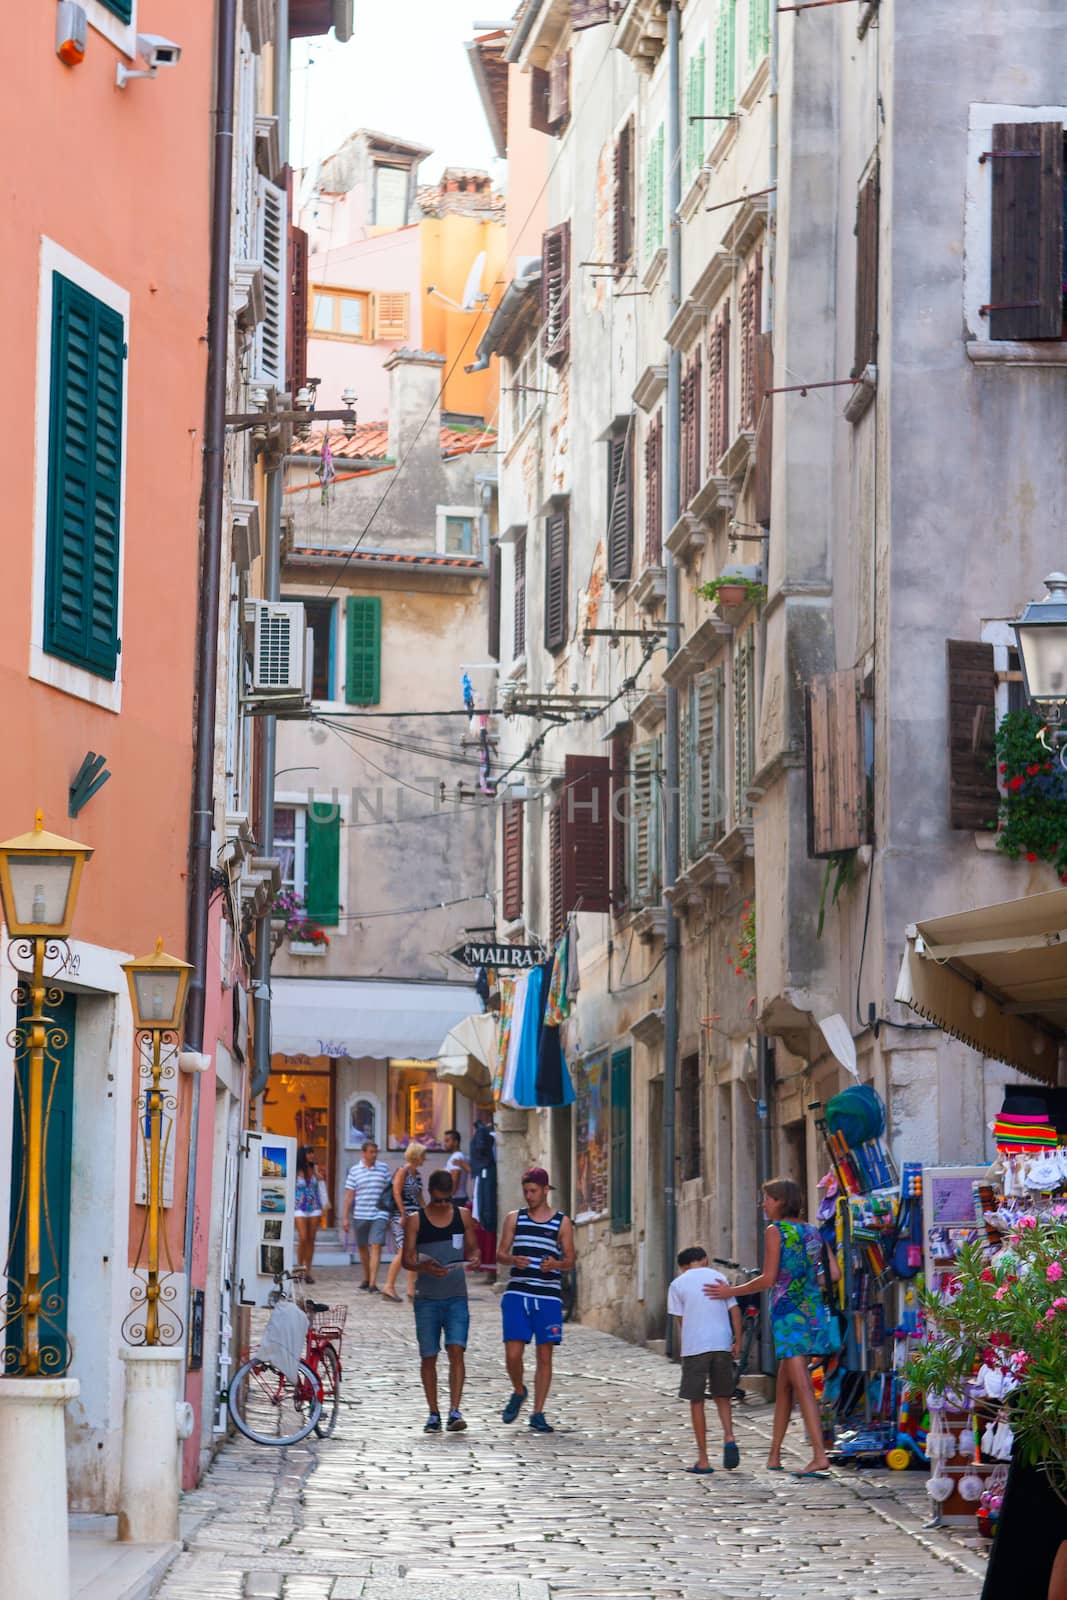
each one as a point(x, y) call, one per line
point(601, 1507)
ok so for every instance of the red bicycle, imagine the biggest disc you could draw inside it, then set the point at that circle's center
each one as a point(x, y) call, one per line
point(270, 1408)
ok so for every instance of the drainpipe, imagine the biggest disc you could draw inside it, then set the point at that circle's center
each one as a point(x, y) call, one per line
point(207, 641)
point(272, 583)
point(671, 776)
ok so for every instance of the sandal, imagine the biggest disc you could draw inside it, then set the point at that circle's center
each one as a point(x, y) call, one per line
point(386, 1295)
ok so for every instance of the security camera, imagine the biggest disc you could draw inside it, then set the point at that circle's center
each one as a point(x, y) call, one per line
point(156, 52)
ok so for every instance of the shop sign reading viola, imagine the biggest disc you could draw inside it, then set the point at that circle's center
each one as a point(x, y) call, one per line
point(505, 957)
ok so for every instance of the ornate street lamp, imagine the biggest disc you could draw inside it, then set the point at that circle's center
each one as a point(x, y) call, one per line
point(40, 874)
point(158, 985)
point(1041, 633)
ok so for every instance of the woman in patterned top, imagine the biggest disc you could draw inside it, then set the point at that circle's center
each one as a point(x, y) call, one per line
point(407, 1192)
point(307, 1206)
point(800, 1322)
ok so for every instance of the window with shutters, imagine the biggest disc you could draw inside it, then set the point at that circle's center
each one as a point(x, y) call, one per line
point(624, 198)
point(719, 387)
point(645, 814)
point(619, 1179)
point(272, 233)
point(297, 319)
point(585, 833)
point(557, 917)
point(620, 809)
point(341, 314)
point(706, 746)
point(838, 795)
point(559, 92)
point(866, 347)
point(495, 597)
point(511, 825)
point(556, 294)
point(759, 31)
point(307, 843)
point(689, 1142)
point(744, 674)
point(391, 186)
point(750, 310)
point(973, 795)
point(525, 389)
point(694, 113)
point(85, 477)
point(654, 492)
point(363, 650)
point(123, 9)
point(557, 540)
point(458, 531)
point(690, 443)
point(321, 619)
point(539, 88)
point(518, 643)
point(725, 59)
point(391, 315)
point(761, 500)
point(620, 510)
point(654, 194)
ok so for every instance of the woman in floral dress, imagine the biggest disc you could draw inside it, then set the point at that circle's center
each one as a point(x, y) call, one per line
point(800, 1322)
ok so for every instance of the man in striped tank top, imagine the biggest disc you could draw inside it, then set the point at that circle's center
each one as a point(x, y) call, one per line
point(537, 1243)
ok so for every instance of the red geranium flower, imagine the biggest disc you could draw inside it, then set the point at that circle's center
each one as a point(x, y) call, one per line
point(1003, 766)
point(1030, 856)
point(1033, 768)
point(1016, 783)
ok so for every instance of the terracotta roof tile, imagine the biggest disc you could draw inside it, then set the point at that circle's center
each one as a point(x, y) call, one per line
point(370, 442)
point(415, 559)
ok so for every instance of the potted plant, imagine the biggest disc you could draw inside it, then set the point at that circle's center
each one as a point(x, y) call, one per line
point(305, 937)
point(1033, 806)
point(733, 589)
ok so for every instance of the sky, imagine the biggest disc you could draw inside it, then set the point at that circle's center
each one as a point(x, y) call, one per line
point(404, 72)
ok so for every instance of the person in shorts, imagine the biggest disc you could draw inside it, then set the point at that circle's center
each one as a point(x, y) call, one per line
point(363, 1187)
point(435, 1240)
point(537, 1244)
point(710, 1346)
point(458, 1165)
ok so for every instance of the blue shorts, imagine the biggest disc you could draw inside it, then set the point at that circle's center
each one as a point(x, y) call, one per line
point(451, 1317)
point(528, 1316)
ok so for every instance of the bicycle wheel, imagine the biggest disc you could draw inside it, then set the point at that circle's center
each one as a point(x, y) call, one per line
point(330, 1379)
point(269, 1409)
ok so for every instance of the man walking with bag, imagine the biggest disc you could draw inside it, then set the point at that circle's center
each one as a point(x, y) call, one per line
point(363, 1189)
point(537, 1243)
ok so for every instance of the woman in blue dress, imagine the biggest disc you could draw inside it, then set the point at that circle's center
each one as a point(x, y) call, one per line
point(800, 1322)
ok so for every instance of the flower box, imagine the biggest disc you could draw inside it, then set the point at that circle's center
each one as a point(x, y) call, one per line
point(306, 947)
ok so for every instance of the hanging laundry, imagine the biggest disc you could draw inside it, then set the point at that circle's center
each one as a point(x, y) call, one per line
point(558, 1008)
point(468, 693)
point(507, 1006)
point(484, 757)
point(524, 1084)
point(573, 981)
point(511, 1056)
point(326, 470)
point(552, 1084)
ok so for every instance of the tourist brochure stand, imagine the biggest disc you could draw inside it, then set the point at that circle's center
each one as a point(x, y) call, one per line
point(265, 1205)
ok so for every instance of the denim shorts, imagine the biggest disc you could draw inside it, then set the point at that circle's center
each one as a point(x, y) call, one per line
point(531, 1316)
point(434, 1318)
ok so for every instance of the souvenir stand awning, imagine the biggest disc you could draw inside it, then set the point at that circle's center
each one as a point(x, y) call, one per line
point(996, 978)
point(466, 1057)
point(366, 1017)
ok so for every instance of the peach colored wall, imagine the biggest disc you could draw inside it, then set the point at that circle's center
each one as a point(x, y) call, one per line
point(529, 155)
point(450, 246)
point(120, 178)
point(391, 263)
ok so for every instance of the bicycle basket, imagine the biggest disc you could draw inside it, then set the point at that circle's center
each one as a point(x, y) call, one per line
point(331, 1321)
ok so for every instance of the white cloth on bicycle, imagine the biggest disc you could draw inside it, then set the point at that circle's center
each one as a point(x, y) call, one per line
point(284, 1339)
point(705, 1323)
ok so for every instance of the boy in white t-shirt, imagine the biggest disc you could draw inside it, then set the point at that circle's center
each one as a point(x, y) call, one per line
point(711, 1341)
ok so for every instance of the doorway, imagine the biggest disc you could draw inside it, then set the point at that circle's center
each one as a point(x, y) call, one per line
point(59, 1135)
point(299, 1105)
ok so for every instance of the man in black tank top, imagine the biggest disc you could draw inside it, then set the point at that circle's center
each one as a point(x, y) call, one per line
point(435, 1238)
point(538, 1245)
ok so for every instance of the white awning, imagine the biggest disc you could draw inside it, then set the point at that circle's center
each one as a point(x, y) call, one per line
point(466, 1057)
point(360, 1017)
point(995, 977)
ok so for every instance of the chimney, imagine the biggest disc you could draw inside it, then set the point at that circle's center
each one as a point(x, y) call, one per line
point(414, 389)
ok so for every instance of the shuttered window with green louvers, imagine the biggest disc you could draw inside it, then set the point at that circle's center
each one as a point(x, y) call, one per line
point(759, 31)
point(744, 724)
point(654, 193)
point(323, 898)
point(363, 650)
point(694, 108)
point(123, 9)
point(707, 745)
point(646, 873)
point(725, 35)
point(84, 480)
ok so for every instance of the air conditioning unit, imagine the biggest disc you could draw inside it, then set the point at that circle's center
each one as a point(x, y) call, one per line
point(279, 648)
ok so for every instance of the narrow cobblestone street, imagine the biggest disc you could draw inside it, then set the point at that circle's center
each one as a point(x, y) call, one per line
point(602, 1507)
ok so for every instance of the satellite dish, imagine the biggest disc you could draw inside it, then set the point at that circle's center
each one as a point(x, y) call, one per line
point(472, 293)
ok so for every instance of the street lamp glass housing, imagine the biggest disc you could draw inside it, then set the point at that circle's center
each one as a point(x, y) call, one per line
point(158, 985)
point(1041, 634)
point(40, 874)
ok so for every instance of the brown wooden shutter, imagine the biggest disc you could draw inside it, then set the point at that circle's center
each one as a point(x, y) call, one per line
point(620, 506)
point(764, 429)
point(719, 388)
point(620, 762)
point(588, 13)
point(838, 810)
point(866, 350)
point(391, 315)
point(585, 832)
point(494, 600)
point(519, 599)
point(555, 874)
point(1026, 280)
point(624, 198)
point(555, 293)
point(751, 312)
point(298, 310)
point(539, 87)
point(559, 91)
point(556, 580)
point(512, 861)
point(973, 796)
point(690, 398)
point(654, 492)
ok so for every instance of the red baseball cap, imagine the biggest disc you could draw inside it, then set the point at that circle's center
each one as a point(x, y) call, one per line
point(537, 1175)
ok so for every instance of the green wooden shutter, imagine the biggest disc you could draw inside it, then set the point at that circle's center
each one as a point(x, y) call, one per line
point(84, 480)
point(725, 30)
point(363, 650)
point(759, 32)
point(694, 107)
point(621, 1122)
point(323, 899)
point(123, 9)
point(654, 193)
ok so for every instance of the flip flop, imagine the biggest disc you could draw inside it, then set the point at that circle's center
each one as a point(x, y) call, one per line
point(395, 1298)
point(824, 1477)
point(700, 1471)
point(776, 1469)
